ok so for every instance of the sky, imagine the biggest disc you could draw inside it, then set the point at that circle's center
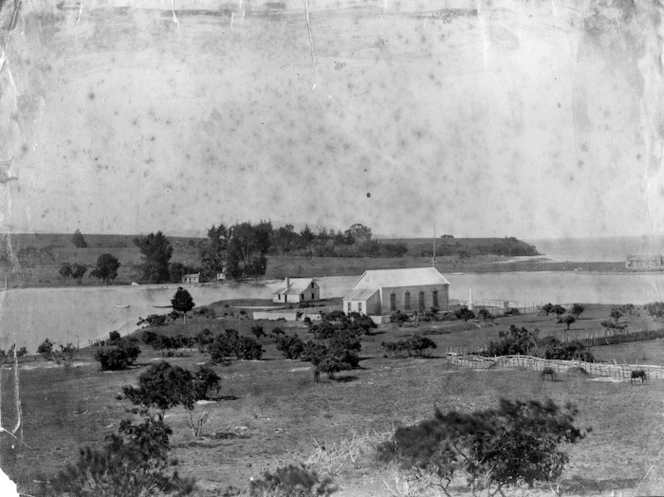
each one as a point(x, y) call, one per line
point(531, 119)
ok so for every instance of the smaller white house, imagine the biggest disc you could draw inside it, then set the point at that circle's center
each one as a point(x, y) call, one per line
point(296, 290)
point(191, 278)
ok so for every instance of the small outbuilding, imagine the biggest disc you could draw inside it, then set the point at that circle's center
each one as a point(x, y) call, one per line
point(191, 278)
point(381, 292)
point(297, 290)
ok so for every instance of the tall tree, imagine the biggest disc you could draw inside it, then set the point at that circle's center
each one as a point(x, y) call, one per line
point(247, 249)
point(213, 251)
point(157, 252)
point(182, 302)
point(78, 240)
point(106, 268)
point(359, 233)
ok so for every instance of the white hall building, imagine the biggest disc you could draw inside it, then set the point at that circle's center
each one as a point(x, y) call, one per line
point(384, 291)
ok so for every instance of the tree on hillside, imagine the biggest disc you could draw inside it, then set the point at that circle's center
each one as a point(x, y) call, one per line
point(75, 271)
point(247, 249)
point(106, 268)
point(577, 310)
point(359, 233)
point(213, 251)
point(182, 302)
point(78, 241)
point(567, 319)
point(157, 252)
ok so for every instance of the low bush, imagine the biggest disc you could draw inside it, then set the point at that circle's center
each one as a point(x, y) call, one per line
point(113, 337)
point(464, 313)
point(205, 312)
point(204, 339)
point(399, 318)
point(248, 349)
point(414, 346)
point(153, 320)
point(291, 481)
point(120, 356)
point(258, 331)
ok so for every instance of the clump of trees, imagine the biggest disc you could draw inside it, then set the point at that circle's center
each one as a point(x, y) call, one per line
point(515, 445)
point(356, 241)
point(231, 343)
point(521, 341)
point(156, 251)
point(106, 268)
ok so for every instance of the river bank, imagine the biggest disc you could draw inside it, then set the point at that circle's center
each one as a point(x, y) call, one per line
point(81, 314)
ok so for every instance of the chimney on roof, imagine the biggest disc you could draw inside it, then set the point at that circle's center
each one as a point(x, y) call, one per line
point(287, 282)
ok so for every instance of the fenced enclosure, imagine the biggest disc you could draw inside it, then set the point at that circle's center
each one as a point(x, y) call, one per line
point(617, 371)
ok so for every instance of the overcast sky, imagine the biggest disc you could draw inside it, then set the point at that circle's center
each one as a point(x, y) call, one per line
point(537, 119)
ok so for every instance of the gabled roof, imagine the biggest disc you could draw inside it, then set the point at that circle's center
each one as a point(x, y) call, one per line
point(296, 286)
point(361, 294)
point(386, 278)
point(191, 275)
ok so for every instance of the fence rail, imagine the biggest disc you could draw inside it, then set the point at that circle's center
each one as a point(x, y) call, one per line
point(619, 371)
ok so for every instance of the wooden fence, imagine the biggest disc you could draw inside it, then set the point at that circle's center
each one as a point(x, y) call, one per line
point(609, 338)
point(618, 371)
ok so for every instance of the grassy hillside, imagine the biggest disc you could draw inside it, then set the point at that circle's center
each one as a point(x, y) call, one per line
point(269, 412)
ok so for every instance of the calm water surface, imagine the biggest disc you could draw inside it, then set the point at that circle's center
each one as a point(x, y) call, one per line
point(28, 316)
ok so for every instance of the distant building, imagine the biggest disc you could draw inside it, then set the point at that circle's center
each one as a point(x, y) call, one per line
point(380, 292)
point(296, 290)
point(191, 278)
point(645, 262)
point(221, 276)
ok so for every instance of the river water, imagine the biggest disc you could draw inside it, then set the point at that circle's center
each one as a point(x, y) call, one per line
point(79, 314)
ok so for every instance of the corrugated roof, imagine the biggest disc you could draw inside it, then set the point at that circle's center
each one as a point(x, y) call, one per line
point(361, 294)
point(381, 278)
point(297, 286)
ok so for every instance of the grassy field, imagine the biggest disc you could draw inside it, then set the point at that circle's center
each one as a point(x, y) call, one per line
point(269, 412)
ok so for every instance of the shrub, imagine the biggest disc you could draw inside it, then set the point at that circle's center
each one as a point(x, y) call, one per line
point(313, 352)
point(205, 312)
point(516, 341)
point(399, 318)
point(148, 337)
point(153, 320)
point(120, 356)
point(655, 309)
point(464, 313)
point(558, 310)
point(133, 463)
point(205, 379)
point(247, 349)
point(258, 331)
point(552, 348)
point(577, 310)
point(277, 331)
point(567, 319)
point(203, 339)
point(512, 311)
point(291, 346)
point(163, 386)
point(232, 343)
point(291, 481)
point(113, 337)
point(45, 349)
point(66, 353)
point(485, 315)
point(415, 345)
point(514, 445)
